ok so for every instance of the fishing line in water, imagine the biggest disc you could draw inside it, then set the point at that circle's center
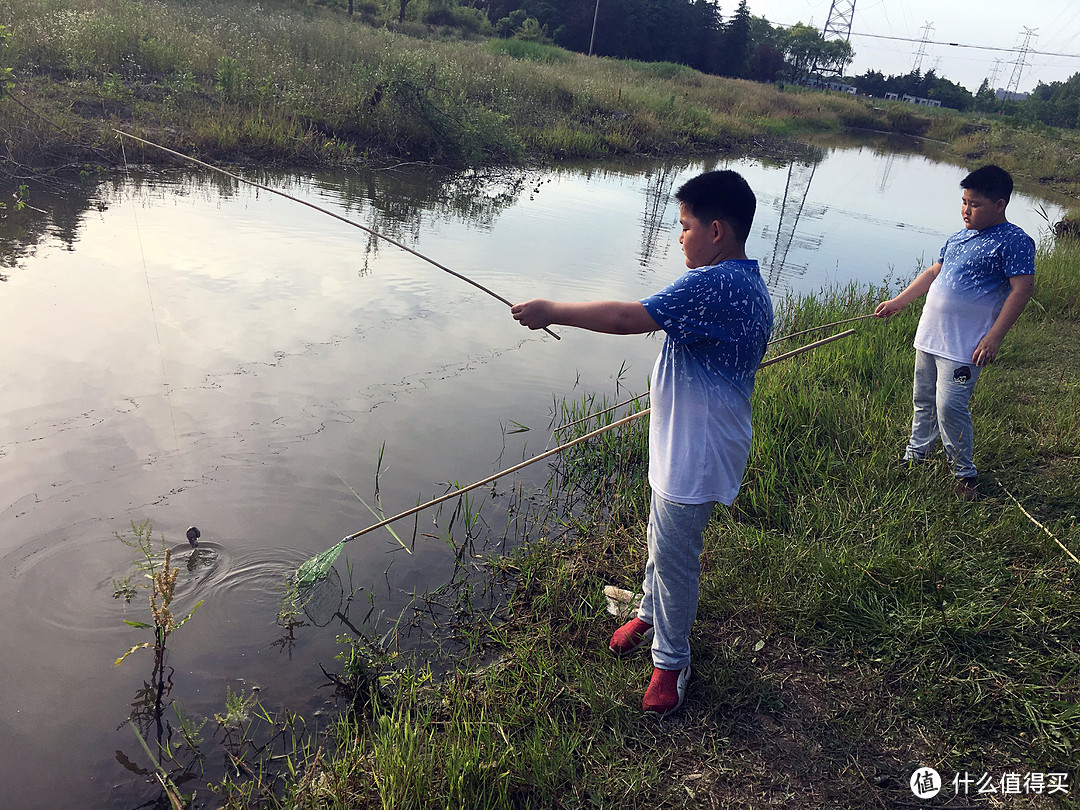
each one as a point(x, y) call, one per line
point(338, 217)
point(150, 296)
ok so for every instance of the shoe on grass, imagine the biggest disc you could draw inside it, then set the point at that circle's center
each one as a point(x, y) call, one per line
point(633, 635)
point(666, 692)
point(967, 489)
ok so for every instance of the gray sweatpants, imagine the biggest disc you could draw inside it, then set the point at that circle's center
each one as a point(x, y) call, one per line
point(672, 576)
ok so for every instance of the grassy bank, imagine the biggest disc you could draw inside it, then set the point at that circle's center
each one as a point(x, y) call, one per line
point(856, 619)
point(280, 83)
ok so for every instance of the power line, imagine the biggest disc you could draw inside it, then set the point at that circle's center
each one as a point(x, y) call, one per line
point(953, 44)
point(963, 45)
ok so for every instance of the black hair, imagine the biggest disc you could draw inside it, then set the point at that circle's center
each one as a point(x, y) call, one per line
point(990, 181)
point(722, 195)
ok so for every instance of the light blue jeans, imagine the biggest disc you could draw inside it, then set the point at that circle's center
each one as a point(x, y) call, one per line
point(941, 393)
point(672, 575)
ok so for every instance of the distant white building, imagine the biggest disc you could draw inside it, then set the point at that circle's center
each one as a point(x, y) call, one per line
point(815, 83)
point(922, 102)
point(1005, 95)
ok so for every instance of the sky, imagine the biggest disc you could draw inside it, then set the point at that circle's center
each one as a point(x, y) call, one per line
point(990, 30)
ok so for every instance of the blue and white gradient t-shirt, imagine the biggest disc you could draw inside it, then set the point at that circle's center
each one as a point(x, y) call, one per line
point(966, 297)
point(717, 322)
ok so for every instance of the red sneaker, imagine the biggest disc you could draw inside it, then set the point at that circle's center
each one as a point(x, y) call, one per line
point(633, 635)
point(666, 692)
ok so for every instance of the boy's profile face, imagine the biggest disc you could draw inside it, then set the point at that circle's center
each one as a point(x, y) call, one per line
point(699, 240)
point(981, 212)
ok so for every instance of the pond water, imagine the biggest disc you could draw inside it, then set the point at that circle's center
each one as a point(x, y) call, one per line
point(185, 350)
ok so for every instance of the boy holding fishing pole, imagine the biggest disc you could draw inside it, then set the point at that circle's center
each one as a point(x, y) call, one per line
point(981, 282)
point(717, 318)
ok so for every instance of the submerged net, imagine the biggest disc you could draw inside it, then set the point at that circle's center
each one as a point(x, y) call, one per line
point(322, 599)
point(318, 567)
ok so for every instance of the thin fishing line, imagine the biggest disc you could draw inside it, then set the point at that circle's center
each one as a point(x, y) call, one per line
point(338, 217)
point(150, 296)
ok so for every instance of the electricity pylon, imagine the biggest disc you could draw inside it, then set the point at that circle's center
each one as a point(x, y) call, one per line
point(921, 52)
point(837, 26)
point(1021, 61)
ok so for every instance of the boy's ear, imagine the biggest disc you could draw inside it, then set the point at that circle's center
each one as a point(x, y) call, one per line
point(719, 230)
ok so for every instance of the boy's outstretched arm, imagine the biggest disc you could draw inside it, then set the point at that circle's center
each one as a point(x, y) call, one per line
point(611, 317)
point(916, 289)
point(1020, 292)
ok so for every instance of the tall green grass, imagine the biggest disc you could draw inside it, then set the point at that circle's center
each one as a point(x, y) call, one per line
point(855, 618)
point(529, 51)
point(290, 82)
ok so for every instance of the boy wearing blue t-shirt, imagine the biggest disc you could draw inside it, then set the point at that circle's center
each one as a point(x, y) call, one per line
point(717, 318)
point(975, 291)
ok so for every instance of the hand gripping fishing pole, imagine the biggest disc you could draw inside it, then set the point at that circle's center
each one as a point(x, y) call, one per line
point(318, 566)
point(338, 217)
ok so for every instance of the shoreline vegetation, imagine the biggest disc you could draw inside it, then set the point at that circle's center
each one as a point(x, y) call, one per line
point(857, 621)
point(282, 84)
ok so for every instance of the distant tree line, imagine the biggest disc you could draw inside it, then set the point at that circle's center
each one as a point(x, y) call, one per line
point(920, 85)
point(694, 33)
point(687, 32)
point(1056, 104)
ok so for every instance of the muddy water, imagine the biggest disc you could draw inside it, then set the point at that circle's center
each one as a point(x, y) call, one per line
point(182, 350)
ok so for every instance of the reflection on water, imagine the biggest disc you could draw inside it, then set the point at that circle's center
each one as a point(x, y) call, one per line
point(191, 351)
point(55, 213)
point(793, 208)
point(655, 225)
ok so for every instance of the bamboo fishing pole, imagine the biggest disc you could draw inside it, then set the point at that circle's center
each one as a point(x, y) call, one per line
point(807, 347)
point(455, 493)
point(329, 213)
point(774, 340)
point(819, 328)
point(600, 413)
